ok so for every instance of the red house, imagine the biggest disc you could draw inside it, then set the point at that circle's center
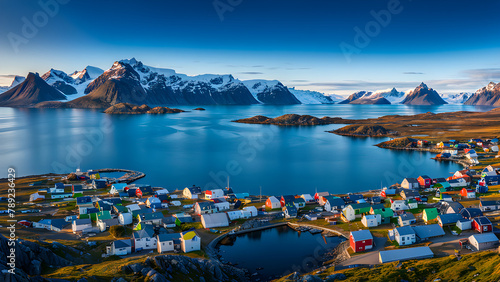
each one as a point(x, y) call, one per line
point(424, 181)
point(468, 193)
point(361, 240)
point(138, 193)
point(318, 195)
point(287, 199)
point(482, 224)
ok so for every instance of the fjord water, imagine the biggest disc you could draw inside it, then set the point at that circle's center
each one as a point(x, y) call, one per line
point(278, 251)
point(204, 147)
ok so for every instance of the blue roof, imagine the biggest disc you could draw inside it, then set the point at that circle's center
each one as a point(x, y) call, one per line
point(428, 231)
point(449, 218)
point(482, 220)
point(169, 237)
point(361, 235)
point(405, 230)
point(405, 254)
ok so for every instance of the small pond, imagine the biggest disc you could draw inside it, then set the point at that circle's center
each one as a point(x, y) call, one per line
point(278, 251)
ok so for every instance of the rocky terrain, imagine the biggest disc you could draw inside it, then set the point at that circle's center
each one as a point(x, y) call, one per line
point(486, 96)
point(126, 108)
point(31, 91)
point(370, 101)
point(355, 96)
point(31, 258)
point(423, 95)
point(451, 125)
point(364, 131)
point(290, 120)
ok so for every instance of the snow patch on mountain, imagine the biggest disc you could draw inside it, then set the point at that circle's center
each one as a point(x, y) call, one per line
point(391, 94)
point(456, 98)
point(314, 97)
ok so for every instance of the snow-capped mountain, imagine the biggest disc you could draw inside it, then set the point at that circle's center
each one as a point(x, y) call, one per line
point(74, 85)
point(354, 96)
point(486, 96)
point(456, 98)
point(423, 95)
point(16, 81)
point(392, 95)
point(314, 97)
point(270, 92)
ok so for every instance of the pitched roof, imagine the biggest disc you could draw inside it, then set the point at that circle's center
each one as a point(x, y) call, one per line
point(194, 189)
point(449, 218)
point(361, 235)
point(411, 180)
point(431, 213)
point(165, 237)
point(146, 232)
point(485, 237)
point(83, 200)
point(335, 201)
point(482, 220)
point(83, 221)
point(122, 243)
point(428, 231)
point(206, 205)
point(471, 212)
point(407, 216)
point(405, 230)
point(188, 235)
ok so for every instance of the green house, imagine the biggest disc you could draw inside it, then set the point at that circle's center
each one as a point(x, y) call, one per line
point(361, 208)
point(429, 214)
point(385, 213)
point(103, 215)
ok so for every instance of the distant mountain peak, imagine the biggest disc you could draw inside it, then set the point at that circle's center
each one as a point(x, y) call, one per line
point(423, 85)
point(423, 95)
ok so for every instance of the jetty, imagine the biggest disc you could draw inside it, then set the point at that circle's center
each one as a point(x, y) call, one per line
point(129, 177)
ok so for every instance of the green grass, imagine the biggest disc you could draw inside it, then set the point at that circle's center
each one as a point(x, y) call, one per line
point(482, 266)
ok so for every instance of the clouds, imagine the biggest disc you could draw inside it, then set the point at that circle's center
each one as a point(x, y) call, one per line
point(483, 74)
point(251, 72)
point(412, 72)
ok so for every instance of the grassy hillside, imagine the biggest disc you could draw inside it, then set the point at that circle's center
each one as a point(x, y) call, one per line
point(482, 266)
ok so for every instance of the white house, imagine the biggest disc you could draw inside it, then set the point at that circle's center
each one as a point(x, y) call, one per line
point(273, 203)
point(162, 191)
point(484, 241)
point(144, 239)
point(81, 225)
point(221, 205)
point(399, 205)
point(464, 224)
point(459, 182)
point(214, 194)
point(120, 248)
point(405, 235)
point(233, 215)
point(191, 192)
point(410, 183)
point(190, 241)
point(166, 242)
point(406, 219)
point(252, 210)
point(349, 213)
point(371, 220)
point(125, 218)
point(117, 188)
point(36, 197)
point(308, 198)
point(214, 220)
point(153, 202)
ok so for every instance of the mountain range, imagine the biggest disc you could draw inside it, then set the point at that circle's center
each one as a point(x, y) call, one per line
point(130, 81)
point(486, 96)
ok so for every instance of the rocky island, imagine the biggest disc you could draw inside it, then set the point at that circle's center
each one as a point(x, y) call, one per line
point(131, 109)
point(450, 125)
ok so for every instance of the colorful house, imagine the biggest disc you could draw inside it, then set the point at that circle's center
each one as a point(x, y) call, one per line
point(405, 235)
point(353, 211)
point(406, 219)
point(385, 214)
point(429, 214)
point(424, 181)
point(482, 224)
point(190, 241)
point(273, 203)
point(468, 193)
point(410, 183)
point(361, 240)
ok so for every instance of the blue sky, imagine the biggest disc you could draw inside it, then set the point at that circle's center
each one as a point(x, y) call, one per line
point(453, 46)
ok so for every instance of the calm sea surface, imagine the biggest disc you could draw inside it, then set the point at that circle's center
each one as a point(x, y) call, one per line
point(278, 251)
point(205, 147)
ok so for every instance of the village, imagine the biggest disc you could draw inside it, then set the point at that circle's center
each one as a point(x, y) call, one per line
point(420, 217)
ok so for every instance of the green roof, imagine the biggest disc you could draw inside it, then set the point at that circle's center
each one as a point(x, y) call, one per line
point(412, 201)
point(104, 215)
point(386, 212)
point(361, 208)
point(431, 213)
